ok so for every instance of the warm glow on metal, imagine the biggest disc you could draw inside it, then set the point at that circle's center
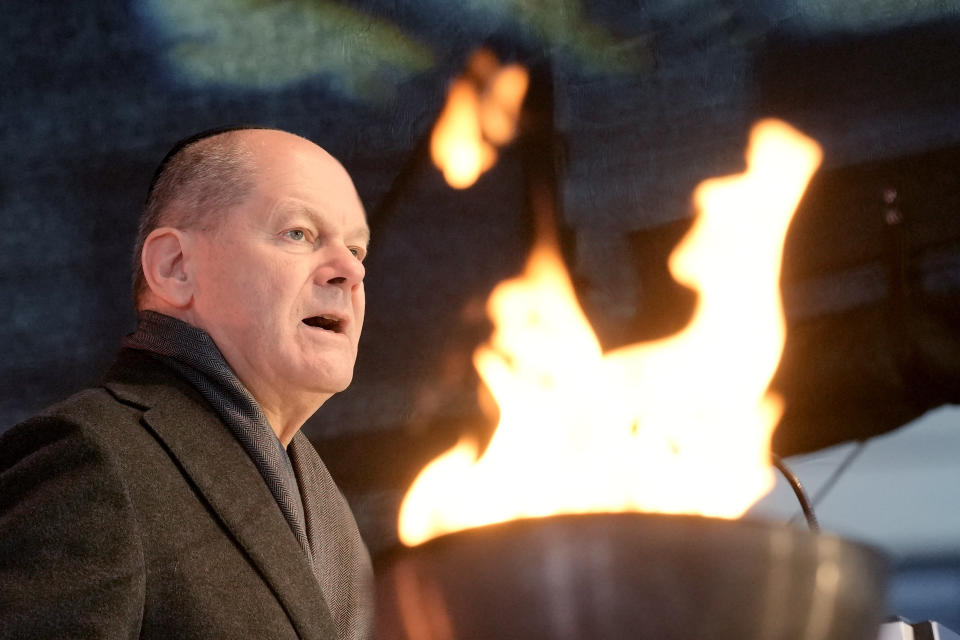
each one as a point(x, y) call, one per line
point(680, 425)
point(480, 114)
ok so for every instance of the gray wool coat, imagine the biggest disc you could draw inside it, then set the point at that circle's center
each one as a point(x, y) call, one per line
point(130, 510)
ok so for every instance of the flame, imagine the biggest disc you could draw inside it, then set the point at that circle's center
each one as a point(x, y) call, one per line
point(481, 114)
point(500, 107)
point(679, 425)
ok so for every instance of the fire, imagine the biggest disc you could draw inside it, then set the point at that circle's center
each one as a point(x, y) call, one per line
point(679, 425)
point(480, 114)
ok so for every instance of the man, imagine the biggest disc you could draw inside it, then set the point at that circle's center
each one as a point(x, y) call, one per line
point(179, 499)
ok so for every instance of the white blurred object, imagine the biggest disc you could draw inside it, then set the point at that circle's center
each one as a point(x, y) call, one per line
point(927, 630)
point(898, 630)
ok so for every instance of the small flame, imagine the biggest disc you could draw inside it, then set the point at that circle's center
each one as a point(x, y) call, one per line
point(481, 114)
point(679, 425)
point(500, 107)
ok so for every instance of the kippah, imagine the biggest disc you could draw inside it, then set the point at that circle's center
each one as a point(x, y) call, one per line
point(181, 144)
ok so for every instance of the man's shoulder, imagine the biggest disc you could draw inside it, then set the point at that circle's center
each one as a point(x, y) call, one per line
point(103, 415)
point(89, 405)
point(85, 419)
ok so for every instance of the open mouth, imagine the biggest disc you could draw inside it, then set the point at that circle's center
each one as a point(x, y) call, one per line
point(328, 323)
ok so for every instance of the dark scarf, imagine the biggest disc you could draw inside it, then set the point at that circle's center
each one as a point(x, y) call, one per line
point(318, 515)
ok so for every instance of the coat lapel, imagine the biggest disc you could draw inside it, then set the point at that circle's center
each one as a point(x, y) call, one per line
point(222, 471)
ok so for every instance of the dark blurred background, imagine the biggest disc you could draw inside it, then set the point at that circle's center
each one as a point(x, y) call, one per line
point(648, 99)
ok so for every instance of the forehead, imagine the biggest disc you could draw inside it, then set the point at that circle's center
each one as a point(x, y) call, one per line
point(297, 177)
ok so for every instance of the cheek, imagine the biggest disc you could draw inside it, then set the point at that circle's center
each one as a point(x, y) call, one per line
point(215, 287)
point(359, 305)
point(264, 290)
point(253, 290)
point(241, 308)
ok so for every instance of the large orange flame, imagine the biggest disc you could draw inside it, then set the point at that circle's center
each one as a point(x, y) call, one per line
point(680, 425)
point(481, 114)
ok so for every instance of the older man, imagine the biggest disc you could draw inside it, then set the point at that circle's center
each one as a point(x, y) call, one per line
point(179, 499)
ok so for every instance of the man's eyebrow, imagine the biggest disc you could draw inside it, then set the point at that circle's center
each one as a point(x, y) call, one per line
point(362, 234)
point(293, 209)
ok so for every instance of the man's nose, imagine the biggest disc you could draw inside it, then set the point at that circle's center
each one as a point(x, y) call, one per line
point(343, 268)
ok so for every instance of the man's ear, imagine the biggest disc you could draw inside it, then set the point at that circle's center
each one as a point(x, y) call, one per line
point(165, 266)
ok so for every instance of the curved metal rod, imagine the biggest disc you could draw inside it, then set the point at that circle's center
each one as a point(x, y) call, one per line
point(798, 491)
point(829, 483)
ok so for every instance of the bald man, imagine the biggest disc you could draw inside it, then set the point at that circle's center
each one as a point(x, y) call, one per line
point(179, 498)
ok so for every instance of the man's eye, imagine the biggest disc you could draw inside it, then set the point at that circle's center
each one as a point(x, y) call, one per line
point(358, 252)
point(296, 234)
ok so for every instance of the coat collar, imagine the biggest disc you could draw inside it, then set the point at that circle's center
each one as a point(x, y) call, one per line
point(222, 471)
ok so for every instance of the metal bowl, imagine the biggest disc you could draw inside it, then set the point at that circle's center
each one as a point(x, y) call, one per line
point(632, 576)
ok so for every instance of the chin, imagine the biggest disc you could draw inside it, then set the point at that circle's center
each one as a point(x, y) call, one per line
point(327, 384)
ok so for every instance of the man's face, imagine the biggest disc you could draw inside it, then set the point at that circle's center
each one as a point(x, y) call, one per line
point(279, 282)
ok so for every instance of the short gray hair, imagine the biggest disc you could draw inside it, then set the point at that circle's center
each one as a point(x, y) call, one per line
point(192, 188)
